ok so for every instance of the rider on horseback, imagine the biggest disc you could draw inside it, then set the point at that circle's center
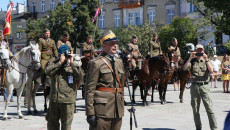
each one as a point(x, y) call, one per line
point(88, 48)
point(154, 46)
point(133, 50)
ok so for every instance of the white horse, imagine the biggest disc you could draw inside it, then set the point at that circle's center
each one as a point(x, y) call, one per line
point(16, 75)
point(4, 56)
point(37, 83)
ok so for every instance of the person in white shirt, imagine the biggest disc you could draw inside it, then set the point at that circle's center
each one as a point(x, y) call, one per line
point(216, 64)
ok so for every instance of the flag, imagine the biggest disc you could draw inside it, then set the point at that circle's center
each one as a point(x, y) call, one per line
point(96, 14)
point(7, 25)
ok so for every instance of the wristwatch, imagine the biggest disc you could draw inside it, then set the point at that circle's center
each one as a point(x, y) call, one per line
point(207, 61)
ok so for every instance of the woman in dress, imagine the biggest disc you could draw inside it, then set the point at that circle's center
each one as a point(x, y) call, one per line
point(225, 65)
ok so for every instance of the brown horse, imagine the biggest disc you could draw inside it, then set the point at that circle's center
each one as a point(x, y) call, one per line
point(183, 76)
point(162, 68)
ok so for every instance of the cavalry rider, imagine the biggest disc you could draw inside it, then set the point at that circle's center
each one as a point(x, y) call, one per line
point(88, 48)
point(155, 46)
point(47, 48)
point(178, 57)
point(105, 87)
point(65, 41)
point(134, 51)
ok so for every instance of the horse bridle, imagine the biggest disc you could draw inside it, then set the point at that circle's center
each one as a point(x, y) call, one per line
point(3, 60)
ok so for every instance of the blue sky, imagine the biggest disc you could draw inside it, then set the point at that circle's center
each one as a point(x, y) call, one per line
point(4, 3)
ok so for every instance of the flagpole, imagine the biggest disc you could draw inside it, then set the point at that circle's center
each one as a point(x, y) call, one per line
point(96, 24)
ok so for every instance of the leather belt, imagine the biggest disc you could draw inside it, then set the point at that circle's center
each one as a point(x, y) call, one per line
point(46, 51)
point(113, 90)
point(201, 83)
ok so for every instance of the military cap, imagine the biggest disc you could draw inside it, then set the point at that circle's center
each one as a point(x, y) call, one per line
point(199, 46)
point(108, 37)
point(154, 34)
point(46, 30)
point(89, 37)
point(134, 36)
point(63, 49)
point(65, 33)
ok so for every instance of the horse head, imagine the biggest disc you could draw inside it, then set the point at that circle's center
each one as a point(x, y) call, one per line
point(35, 56)
point(4, 56)
point(166, 64)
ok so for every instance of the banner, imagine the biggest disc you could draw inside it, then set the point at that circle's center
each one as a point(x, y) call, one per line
point(96, 14)
point(7, 25)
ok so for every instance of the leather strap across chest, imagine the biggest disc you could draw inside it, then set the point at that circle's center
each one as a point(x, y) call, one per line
point(118, 80)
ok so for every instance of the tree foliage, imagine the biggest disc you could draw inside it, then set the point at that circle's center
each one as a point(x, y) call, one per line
point(217, 11)
point(143, 32)
point(183, 29)
point(74, 17)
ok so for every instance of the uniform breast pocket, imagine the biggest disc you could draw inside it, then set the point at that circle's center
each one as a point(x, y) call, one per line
point(106, 75)
point(120, 73)
point(203, 69)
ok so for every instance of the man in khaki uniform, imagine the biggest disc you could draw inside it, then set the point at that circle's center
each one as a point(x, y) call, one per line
point(104, 87)
point(178, 54)
point(155, 46)
point(200, 68)
point(64, 74)
point(65, 41)
point(48, 48)
point(88, 48)
point(134, 51)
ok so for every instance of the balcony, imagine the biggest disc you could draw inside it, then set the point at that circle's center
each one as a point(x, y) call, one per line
point(130, 3)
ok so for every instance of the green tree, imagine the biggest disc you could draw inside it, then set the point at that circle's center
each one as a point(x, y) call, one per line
point(217, 11)
point(184, 29)
point(143, 32)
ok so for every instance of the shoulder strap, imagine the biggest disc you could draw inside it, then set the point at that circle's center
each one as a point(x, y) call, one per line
point(118, 80)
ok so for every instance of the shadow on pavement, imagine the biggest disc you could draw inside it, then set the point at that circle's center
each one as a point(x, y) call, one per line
point(158, 129)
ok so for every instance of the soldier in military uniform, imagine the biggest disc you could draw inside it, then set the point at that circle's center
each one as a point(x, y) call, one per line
point(104, 87)
point(65, 41)
point(155, 46)
point(88, 48)
point(47, 48)
point(134, 51)
point(200, 68)
point(64, 74)
point(178, 57)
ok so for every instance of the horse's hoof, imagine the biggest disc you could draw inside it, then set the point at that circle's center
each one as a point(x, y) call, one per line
point(20, 117)
point(29, 112)
point(45, 110)
point(181, 101)
point(4, 118)
point(133, 101)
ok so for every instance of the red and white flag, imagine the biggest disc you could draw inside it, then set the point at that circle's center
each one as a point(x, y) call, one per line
point(96, 14)
point(7, 25)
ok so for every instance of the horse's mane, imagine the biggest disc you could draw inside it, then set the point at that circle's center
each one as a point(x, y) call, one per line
point(22, 51)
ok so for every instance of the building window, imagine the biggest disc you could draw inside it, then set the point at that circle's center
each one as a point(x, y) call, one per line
point(117, 19)
point(32, 7)
point(52, 5)
point(102, 20)
point(19, 34)
point(102, 1)
point(43, 6)
point(134, 18)
point(138, 19)
point(190, 7)
point(62, 2)
point(131, 18)
point(170, 15)
point(151, 14)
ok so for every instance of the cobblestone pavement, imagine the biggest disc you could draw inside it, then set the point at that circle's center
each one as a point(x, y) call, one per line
point(172, 116)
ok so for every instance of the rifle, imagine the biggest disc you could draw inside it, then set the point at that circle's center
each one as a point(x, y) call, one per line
point(132, 109)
